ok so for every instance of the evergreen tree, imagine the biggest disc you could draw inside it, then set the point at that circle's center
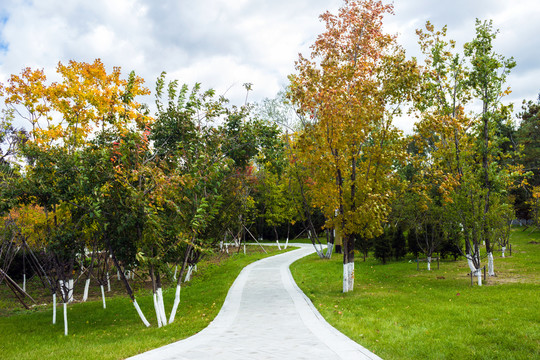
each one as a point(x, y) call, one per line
point(412, 243)
point(399, 243)
point(383, 245)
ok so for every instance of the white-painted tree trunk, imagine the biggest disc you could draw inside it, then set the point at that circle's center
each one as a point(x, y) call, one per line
point(329, 250)
point(244, 249)
point(175, 304)
point(65, 320)
point(279, 247)
point(175, 272)
point(141, 315)
point(62, 289)
point(348, 277)
point(103, 296)
point(161, 305)
point(286, 243)
point(221, 246)
point(470, 263)
point(70, 290)
point(227, 248)
point(156, 308)
point(108, 282)
point(491, 267)
point(476, 272)
point(188, 273)
point(54, 308)
point(24, 282)
point(118, 274)
point(86, 287)
point(429, 263)
point(503, 250)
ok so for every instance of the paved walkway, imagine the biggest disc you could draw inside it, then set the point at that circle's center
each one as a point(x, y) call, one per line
point(265, 316)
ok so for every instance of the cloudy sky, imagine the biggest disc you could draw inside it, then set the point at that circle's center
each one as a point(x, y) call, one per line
point(226, 43)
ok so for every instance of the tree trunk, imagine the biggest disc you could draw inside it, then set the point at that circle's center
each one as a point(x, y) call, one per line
point(154, 296)
point(86, 287)
point(141, 315)
point(54, 308)
point(277, 238)
point(329, 250)
point(130, 292)
point(103, 295)
point(70, 290)
point(175, 304)
point(156, 308)
point(161, 304)
point(348, 263)
point(178, 284)
point(288, 229)
point(65, 320)
point(329, 244)
point(491, 269)
point(474, 266)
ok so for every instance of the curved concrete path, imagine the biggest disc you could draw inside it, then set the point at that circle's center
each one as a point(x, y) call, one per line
point(265, 316)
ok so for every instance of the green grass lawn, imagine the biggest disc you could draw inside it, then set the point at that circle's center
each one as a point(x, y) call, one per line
point(401, 313)
point(117, 332)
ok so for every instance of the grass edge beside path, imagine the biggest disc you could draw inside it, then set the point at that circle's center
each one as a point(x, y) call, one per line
point(398, 312)
point(117, 332)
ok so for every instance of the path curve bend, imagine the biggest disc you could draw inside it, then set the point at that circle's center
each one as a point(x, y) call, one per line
point(265, 316)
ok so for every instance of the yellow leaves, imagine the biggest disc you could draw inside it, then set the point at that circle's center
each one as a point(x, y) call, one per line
point(69, 111)
point(535, 193)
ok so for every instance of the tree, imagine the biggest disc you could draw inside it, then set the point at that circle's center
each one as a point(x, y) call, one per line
point(64, 117)
point(356, 72)
point(487, 78)
point(528, 141)
point(466, 154)
point(383, 245)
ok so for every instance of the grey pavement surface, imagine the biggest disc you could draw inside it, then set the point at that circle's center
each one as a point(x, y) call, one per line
point(265, 316)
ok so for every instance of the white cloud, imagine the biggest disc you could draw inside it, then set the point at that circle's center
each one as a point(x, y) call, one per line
point(222, 43)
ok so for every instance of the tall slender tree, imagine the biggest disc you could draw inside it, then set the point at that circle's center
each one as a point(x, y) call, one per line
point(350, 88)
